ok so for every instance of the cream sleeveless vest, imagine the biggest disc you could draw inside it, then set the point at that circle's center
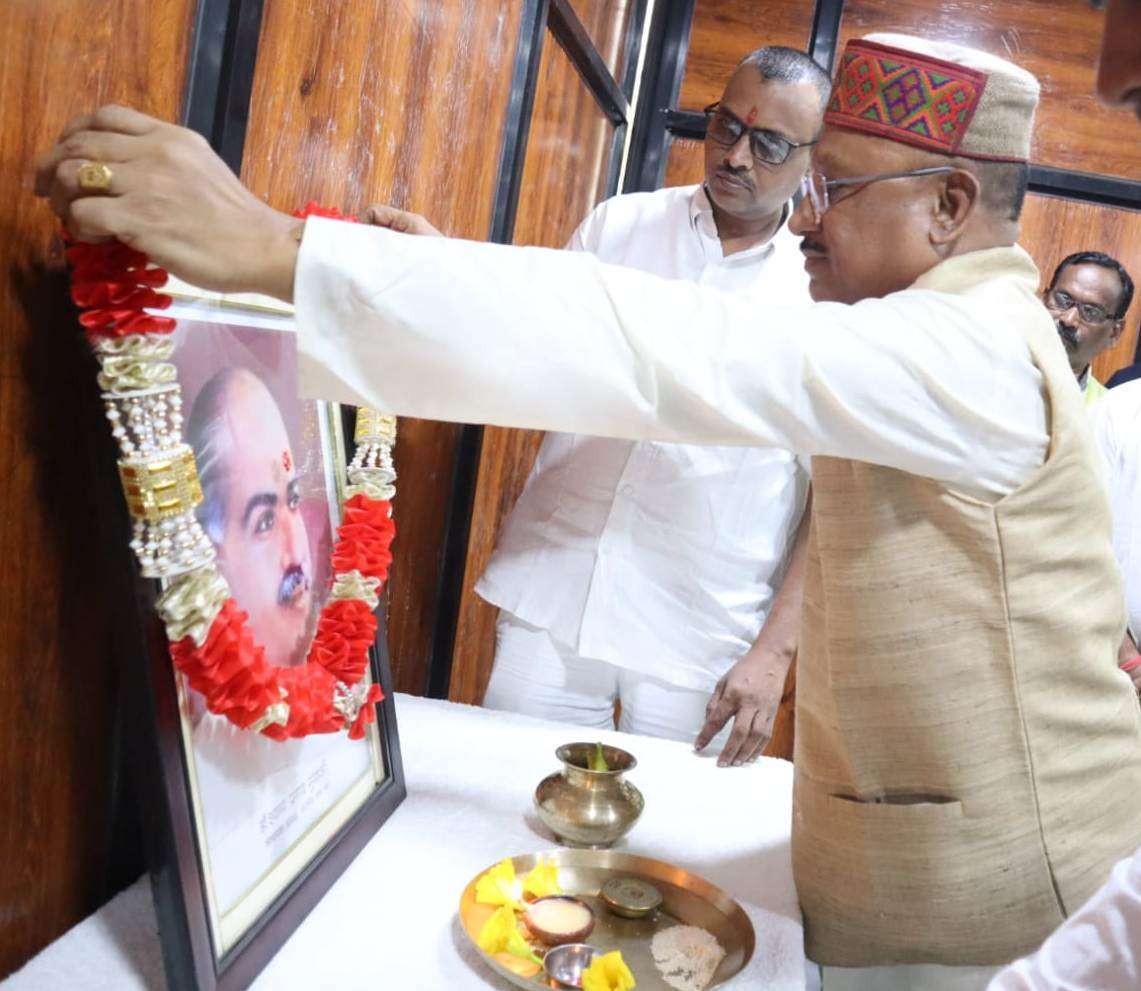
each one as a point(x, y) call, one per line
point(968, 756)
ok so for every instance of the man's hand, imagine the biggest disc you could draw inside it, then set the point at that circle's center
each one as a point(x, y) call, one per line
point(749, 694)
point(751, 691)
point(402, 221)
point(172, 198)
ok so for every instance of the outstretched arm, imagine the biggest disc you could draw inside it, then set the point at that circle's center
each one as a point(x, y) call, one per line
point(525, 337)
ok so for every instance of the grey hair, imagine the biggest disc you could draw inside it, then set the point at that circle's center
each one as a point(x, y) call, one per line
point(203, 434)
point(1002, 185)
point(789, 65)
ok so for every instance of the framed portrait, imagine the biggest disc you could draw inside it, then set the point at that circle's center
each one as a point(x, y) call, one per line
point(247, 832)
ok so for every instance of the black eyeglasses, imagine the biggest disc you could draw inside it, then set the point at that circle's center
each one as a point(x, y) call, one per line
point(816, 187)
point(768, 147)
point(1059, 301)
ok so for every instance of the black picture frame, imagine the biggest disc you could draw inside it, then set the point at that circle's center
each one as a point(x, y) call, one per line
point(169, 828)
point(173, 846)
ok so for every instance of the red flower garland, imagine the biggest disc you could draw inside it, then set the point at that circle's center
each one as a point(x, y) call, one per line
point(114, 284)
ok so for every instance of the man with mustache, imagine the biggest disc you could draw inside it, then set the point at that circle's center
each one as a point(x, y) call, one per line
point(958, 694)
point(251, 509)
point(663, 576)
point(645, 573)
point(1088, 298)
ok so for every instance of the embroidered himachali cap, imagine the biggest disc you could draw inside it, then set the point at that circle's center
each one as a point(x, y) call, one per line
point(935, 95)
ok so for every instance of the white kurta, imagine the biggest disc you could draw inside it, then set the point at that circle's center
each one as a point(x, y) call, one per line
point(1117, 428)
point(659, 558)
point(1098, 948)
point(931, 383)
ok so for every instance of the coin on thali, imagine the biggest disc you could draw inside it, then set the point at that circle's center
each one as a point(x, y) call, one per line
point(630, 897)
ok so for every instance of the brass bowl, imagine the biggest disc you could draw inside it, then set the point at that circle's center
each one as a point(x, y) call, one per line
point(586, 808)
point(550, 937)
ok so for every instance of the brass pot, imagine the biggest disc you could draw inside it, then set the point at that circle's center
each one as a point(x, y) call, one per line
point(587, 808)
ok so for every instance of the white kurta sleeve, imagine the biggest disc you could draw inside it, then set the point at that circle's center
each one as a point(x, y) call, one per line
point(529, 337)
point(1095, 949)
point(1108, 443)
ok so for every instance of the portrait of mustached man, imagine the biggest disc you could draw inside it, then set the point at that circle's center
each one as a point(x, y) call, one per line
point(251, 509)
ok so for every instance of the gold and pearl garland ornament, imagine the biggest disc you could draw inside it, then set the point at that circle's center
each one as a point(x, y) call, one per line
point(210, 643)
point(143, 402)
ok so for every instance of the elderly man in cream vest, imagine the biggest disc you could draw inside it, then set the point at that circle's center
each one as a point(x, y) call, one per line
point(967, 757)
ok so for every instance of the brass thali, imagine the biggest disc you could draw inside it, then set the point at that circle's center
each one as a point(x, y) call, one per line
point(686, 900)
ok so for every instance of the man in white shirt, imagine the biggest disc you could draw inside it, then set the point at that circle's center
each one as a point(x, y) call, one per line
point(642, 573)
point(1117, 429)
point(957, 695)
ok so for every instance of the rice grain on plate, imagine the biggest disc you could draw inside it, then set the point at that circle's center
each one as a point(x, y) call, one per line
point(687, 957)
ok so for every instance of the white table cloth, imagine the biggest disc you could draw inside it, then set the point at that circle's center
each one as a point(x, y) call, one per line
point(391, 920)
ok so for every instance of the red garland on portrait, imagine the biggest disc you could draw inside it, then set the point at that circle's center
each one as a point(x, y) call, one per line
point(210, 643)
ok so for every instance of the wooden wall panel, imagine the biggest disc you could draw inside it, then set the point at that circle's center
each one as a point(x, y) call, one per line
point(1053, 228)
point(59, 675)
point(563, 177)
point(726, 30)
point(685, 162)
point(505, 460)
point(402, 103)
point(1057, 40)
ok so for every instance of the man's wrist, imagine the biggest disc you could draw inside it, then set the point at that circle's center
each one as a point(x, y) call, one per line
point(778, 656)
point(275, 258)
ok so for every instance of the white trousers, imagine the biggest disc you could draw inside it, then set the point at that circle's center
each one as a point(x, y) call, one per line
point(535, 676)
point(907, 977)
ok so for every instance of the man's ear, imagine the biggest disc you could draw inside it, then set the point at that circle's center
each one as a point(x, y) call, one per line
point(1118, 327)
point(958, 197)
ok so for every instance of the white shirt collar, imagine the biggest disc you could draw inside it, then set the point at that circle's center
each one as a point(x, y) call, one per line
point(701, 220)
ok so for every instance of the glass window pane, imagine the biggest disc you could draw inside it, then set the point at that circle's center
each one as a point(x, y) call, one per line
point(568, 152)
point(1057, 40)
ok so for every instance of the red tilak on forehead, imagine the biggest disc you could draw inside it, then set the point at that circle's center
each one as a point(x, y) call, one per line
point(752, 116)
point(287, 460)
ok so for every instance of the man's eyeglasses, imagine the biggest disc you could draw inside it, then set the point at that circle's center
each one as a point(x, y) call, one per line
point(816, 187)
point(1058, 300)
point(768, 147)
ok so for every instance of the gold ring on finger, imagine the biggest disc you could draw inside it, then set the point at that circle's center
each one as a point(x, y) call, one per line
point(94, 177)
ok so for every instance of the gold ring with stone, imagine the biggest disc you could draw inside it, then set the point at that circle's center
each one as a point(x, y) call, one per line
point(94, 177)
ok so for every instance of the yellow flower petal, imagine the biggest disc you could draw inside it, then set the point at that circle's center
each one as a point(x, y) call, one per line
point(500, 934)
point(499, 886)
point(493, 936)
point(608, 973)
point(543, 880)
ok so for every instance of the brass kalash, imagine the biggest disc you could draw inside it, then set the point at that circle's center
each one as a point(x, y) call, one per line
point(588, 803)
